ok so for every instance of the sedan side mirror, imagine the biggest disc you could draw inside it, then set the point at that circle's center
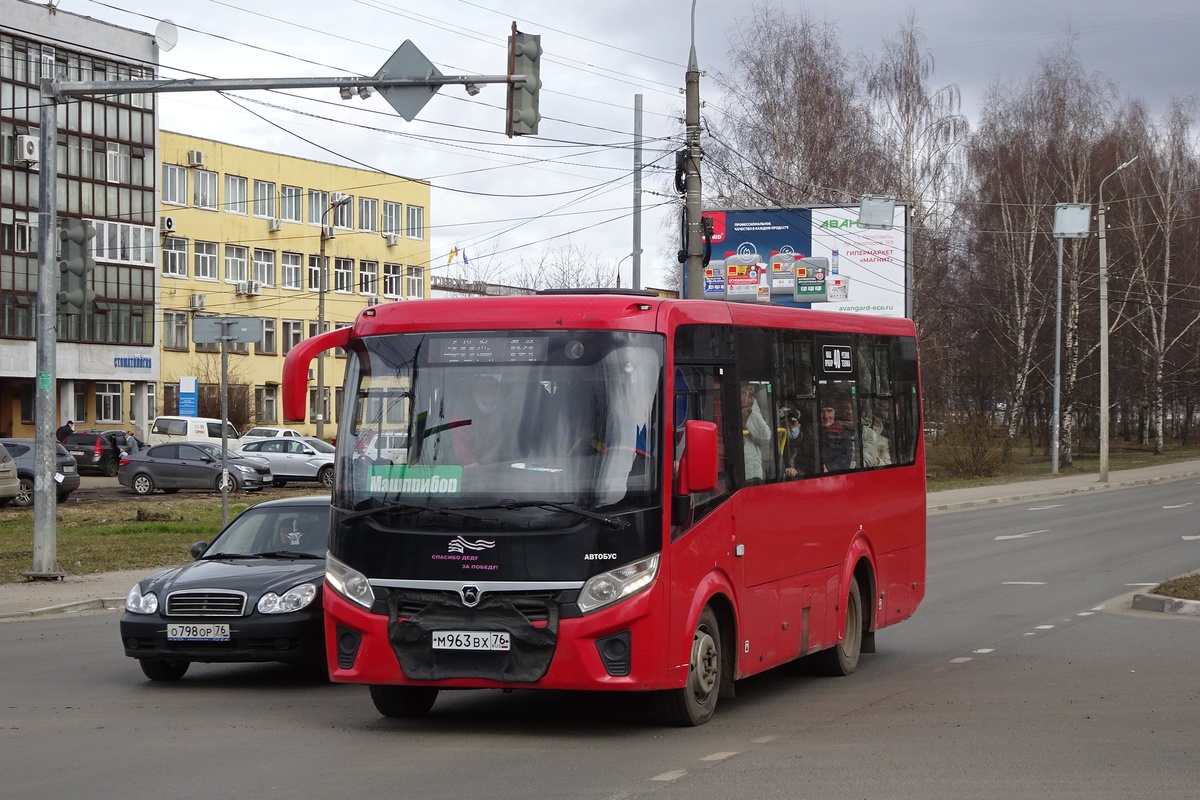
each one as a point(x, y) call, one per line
point(198, 549)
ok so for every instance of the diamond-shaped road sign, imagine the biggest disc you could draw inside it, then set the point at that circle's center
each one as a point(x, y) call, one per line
point(408, 62)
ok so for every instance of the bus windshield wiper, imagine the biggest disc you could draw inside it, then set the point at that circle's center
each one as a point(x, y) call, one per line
point(611, 522)
point(401, 508)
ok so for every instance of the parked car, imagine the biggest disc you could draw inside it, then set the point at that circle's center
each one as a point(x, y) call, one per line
point(390, 446)
point(269, 432)
point(66, 472)
point(294, 459)
point(10, 484)
point(253, 594)
point(97, 451)
point(191, 465)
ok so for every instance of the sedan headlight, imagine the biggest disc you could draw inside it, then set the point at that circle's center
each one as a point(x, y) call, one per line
point(293, 599)
point(242, 468)
point(617, 584)
point(140, 603)
point(350, 583)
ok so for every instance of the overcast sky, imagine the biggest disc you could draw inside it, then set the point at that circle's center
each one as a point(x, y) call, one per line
point(503, 200)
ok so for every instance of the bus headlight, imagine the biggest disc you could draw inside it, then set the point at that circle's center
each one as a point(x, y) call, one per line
point(617, 584)
point(349, 583)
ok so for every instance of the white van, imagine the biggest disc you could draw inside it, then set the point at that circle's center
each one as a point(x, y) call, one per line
point(190, 429)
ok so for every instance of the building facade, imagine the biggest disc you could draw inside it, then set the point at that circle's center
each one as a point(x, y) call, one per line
point(245, 233)
point(107, 355)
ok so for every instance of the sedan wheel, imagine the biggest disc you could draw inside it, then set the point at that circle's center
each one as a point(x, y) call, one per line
point(143, 484)
point(159, 669)
point(24, 496)
point(231, 485)
point(325, 477)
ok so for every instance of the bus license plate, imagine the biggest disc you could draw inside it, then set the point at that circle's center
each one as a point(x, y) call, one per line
point(207, 632)
point(470, 640)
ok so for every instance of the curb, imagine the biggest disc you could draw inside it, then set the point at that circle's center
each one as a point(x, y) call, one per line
point(103, 603)
point(1169, 605)
point(1051, 492)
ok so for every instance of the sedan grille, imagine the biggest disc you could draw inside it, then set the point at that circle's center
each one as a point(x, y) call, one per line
point(206, 603)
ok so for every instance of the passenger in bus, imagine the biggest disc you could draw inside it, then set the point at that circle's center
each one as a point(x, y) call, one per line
point(837, 441)
point(482, 440)
point(756, 436)
point(797, 447)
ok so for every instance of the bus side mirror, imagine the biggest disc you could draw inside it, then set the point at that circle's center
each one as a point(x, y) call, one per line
point(698, 470)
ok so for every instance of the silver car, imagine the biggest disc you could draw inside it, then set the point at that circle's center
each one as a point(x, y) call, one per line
point(292, 459)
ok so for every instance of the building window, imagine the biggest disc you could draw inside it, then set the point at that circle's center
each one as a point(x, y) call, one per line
point(391, 217)
point(264, 199)
point(108, 402)
point(318, 204)
point(343, 216)
point(293, 334)
point(205, 256)
point(174, 257)
point(315, 412)
point(270, 341)
point(416, 223)
point(266, 405)
point(236, 258)
point(264, 266)
point(368, 214)
point(314, 327)
point(391, 279)
point(174, 184)
point(343, 274)
point(368, 277)
point(205, 188)
point(235, 194)
point(291, 265)
point(314, 273)
point(414, 282)
point(118, 163)
point(290, 200)
point(175, 330)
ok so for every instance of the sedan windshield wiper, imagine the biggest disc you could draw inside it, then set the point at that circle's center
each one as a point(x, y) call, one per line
point(297, 554)
point(611, 522)
point(401, 508)
point(232, 555)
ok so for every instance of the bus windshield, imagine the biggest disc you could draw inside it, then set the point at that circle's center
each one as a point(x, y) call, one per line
point(502, 421)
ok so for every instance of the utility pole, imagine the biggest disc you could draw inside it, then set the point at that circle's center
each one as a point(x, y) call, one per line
point(693, 275)
point(636, 283)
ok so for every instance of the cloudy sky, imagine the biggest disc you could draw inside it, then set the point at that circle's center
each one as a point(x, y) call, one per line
point(505, 200)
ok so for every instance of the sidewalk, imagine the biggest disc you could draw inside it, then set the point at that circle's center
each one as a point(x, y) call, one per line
point(107, 590)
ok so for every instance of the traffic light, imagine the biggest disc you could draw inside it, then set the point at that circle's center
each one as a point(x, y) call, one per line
point(75, 293)
point(524, 58)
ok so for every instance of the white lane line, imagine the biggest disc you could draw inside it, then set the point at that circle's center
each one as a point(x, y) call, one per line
point(1019, 535)
point(673, 775)
point(1023, 583)
point(1189, 538)
point(1180, 505)
point(961, 660)
point(1085, 613)
point(764, 739)
point(984, 650)
point(1045, 627)
point(719, 756)
point(1046, 508)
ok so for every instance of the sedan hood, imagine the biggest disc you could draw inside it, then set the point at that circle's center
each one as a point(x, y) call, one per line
point(254, 576)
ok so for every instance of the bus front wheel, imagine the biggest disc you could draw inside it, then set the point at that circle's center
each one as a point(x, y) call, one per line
point(842, 658)
point(695, 702)
point(403, 701)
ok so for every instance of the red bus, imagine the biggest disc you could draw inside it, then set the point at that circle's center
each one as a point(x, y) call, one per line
point(615, 491)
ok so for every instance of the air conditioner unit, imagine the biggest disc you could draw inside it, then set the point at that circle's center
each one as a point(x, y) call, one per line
point(372, 301)
point(29, 149)
point(166, 224)
point(392, 239)
point(196, 303)
point(312, 374)
point(275, 225)
point(195, 158)
point(253, 288)
point(327, 232)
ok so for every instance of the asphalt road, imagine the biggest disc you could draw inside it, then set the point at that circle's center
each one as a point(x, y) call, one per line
point(1023, 675)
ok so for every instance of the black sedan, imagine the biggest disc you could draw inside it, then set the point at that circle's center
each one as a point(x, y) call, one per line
point(252, 595)
point(189, 465)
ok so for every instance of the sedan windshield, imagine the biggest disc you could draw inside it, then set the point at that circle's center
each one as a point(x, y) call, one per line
point(303, 531)
point(502, 420)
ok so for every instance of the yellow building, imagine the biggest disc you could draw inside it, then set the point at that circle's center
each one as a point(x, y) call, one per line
point(243, 233)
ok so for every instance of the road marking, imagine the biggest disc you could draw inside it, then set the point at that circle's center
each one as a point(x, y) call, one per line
point(1045, 627)
point(1181, 505)
point(984, 650)
point(1190, 538)
point(719, 756)
point(764, 739)
point(1085, 613)
point(1019, 535)
point(673, 775)
point(1023, 583)
point(1046, 508)
point(960, 660)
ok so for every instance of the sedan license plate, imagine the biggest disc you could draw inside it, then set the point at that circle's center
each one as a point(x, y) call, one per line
point(198, 632)
point(470, 640)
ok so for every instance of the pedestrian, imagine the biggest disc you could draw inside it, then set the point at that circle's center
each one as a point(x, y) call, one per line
point(65, 430)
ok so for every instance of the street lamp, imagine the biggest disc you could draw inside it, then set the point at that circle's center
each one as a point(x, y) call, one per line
point(1104, 330)
point(619, 263)
point(339, 200)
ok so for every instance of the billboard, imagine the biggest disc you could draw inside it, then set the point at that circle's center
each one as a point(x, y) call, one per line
point(814, 256)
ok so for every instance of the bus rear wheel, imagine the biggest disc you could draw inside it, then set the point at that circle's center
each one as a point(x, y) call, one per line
point(694, 704)
point(403, 701)
point(842, 658)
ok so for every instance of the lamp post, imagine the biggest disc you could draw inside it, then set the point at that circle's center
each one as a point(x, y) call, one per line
point(323, 278)
point(1104, 329)
point(622, 261)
